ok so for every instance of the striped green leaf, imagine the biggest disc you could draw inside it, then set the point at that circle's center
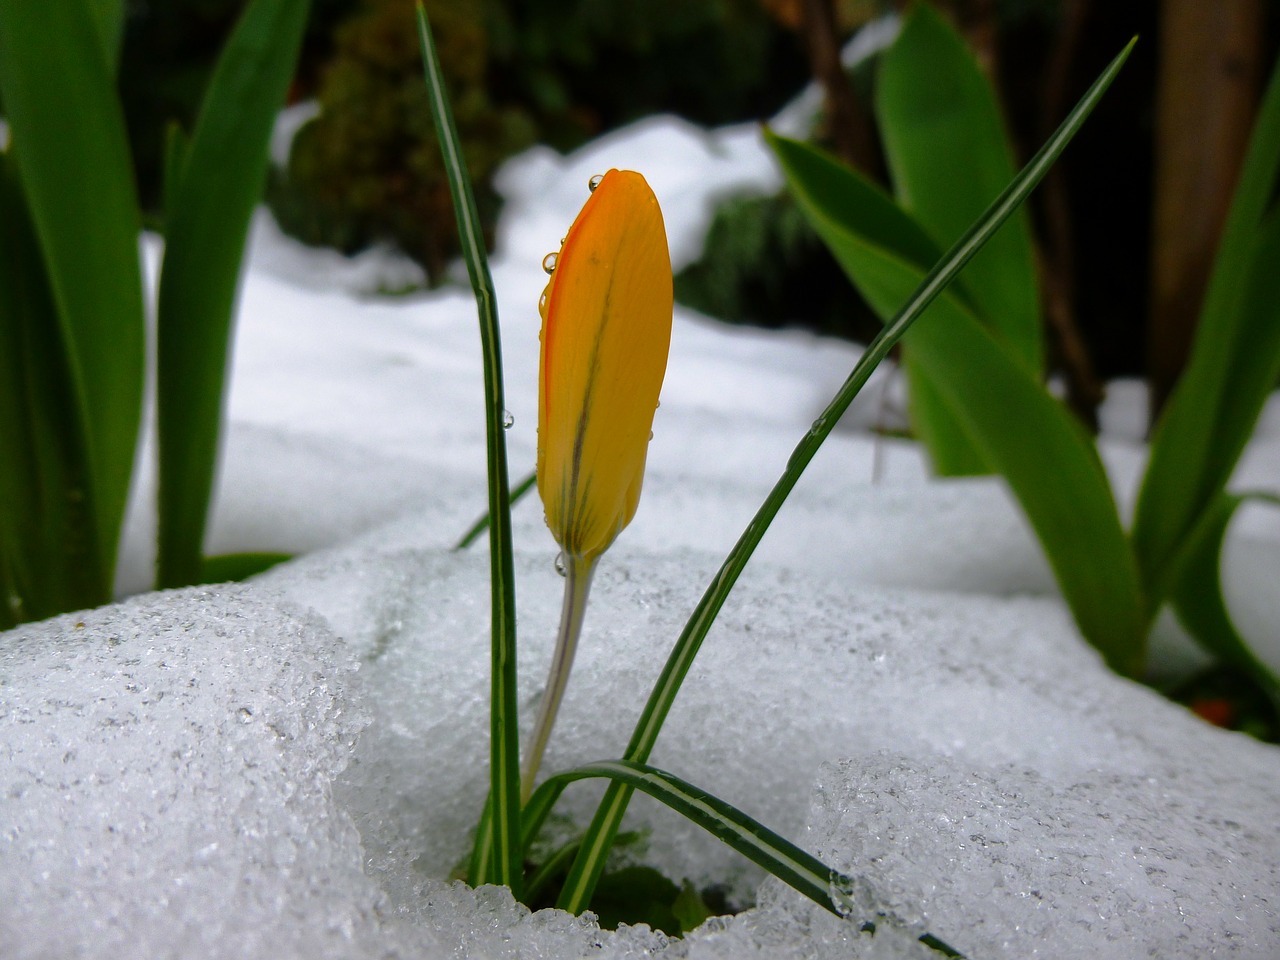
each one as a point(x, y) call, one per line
point(497, 849)
point(781, 858)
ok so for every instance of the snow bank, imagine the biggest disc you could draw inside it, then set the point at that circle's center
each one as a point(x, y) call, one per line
point(290, 768)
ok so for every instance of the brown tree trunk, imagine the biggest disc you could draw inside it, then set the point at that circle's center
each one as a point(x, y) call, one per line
point(1210, 70)
point(849, 124)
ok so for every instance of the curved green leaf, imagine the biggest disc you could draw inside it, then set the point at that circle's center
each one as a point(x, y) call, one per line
point(1197, 591)
point(781, 858)
point(219, 178)
point(1051, 465)
point(1234, 365)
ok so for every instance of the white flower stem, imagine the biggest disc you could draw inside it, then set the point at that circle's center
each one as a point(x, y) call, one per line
point(577, 584)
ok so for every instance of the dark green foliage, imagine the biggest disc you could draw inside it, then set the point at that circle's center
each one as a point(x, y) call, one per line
point(518, 73)
point(368, 167)
point(609, 62)
point(762, 264)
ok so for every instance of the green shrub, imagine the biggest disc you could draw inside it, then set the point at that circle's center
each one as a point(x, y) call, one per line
point(368, 168)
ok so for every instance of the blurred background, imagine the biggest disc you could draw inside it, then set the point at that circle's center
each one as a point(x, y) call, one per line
point(1127, 224)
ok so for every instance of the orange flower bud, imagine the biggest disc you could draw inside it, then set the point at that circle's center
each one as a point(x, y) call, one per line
point(606, 331)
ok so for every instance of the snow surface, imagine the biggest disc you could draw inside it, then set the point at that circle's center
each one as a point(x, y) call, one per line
point(290, 768)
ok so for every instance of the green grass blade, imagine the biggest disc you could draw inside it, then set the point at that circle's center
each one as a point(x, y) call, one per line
point(504, 753)
point(795, 867)
point(527, 483)
point(49, 561)
point(949, 154)
point(1234, 365)
point(227, 567)
point(604, 826)
point(70, 152)
point(219, 180)
point(1197, 591)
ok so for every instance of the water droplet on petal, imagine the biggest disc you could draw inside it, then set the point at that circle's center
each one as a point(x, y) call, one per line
point(549, 262)
point(542, 309)
point(508, 421)
point(650, 434)
point(560, 567)
point(595, 182)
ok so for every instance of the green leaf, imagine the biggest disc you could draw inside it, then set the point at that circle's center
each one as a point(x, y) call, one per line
point(608, 817)
point(177, 147)
point(952, 451)
point(109, 16)
point(1234, 365)
point(1197, 591)
point(71, 156)
point(49, 561)
point(1051, 465)
point(229, 567)
point(527, 483)
point(949, 155)
point(209, 205)
point(500, 833)
point(800, 870)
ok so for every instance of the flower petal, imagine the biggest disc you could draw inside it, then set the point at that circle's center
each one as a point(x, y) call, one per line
point(605, 336)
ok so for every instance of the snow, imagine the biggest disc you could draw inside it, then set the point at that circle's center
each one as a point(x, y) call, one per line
point(290, 768)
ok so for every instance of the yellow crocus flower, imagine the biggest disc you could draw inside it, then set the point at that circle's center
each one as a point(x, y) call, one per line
point(606, 330)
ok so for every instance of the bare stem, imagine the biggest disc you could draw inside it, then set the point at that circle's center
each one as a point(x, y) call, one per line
point(577, 584)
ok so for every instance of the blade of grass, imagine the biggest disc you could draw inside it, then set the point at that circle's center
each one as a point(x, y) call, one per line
point(1234, 365)
point(504, 751)
point(71, 155)
point(795, 867)
point(218, 179)
point(527, 483)
point(238, 566)
point(604, 826)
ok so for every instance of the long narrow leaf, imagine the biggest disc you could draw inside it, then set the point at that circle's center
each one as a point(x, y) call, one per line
point(501, 829)
point(1050, 464)
point(69, 149)
point(590, 861)
point(109, 15)
point(949, 155)
point(930, 91)
point(527, 483)
point(781, 858)
point(219, 178)
point(1234, 365)
point(49, 561)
